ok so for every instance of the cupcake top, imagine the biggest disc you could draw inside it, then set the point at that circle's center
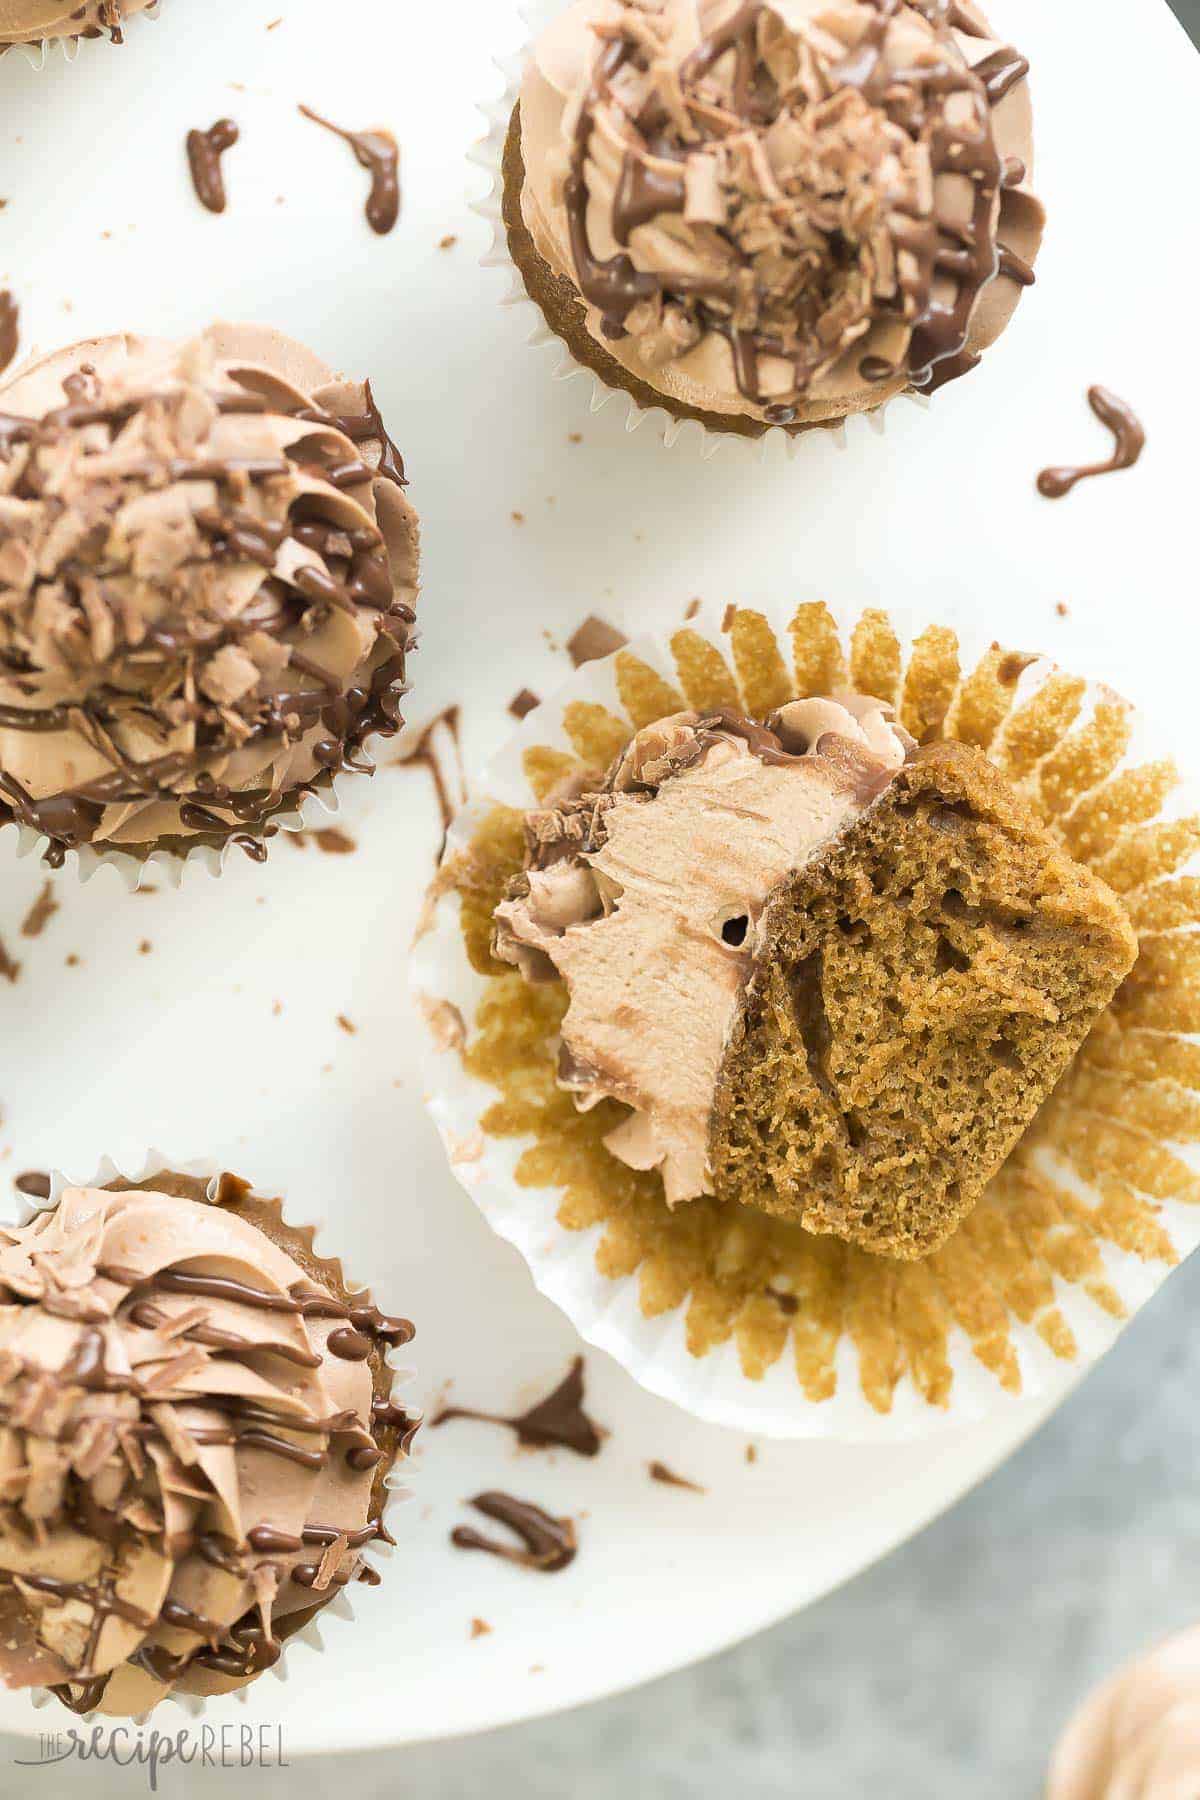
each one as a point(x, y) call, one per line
point(207, 576)
point(787, 209)
point(668, 863)
point(28, 21)
point(1138, 1736)
point(189, 1447)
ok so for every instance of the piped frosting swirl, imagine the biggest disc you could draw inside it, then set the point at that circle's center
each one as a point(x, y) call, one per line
point(786, 208)
point(207, 575)
point(189, 1446)
point(644, 889)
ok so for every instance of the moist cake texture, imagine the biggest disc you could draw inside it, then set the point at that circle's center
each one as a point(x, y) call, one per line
point(922, 986)
point(832, 975)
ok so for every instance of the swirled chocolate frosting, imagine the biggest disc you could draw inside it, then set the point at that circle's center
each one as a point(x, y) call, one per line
point(207, 575)
point(788, 209)
point(28, 21)
point(645, 893)
point(194, 1428)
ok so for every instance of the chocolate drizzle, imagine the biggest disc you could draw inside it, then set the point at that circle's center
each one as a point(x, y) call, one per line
point(377, 152)
point(549, 1544)
point(557, 1422)
point(243, 1649)
point(204, 152)
point(1129, 440)
point(355, 575)
point(942, 264)
point(423, 754)
point(9, 328)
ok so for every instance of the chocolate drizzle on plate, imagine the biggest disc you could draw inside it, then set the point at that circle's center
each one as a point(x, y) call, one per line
point(204, 152)
point(1129, 440)
point(557, 1422)
point(658, 1471)
point(548, 1544)
point(378, 153)
point(424, 753)
point(9, 328)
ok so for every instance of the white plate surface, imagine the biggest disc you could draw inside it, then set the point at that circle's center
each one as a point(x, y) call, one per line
point(182, 1046)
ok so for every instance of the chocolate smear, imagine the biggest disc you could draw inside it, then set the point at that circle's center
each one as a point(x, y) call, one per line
point(1129, 440)
point(332, 841)
point(594, 638)
point(378, 153)
point(523, 703)
point(423, 753)
point(9, 328)
point(35, 1183)
point(204, 152)
point(9, 967)
point(557, 1422)
point(660, 1472)
point(550, 1543)
point(40, 913)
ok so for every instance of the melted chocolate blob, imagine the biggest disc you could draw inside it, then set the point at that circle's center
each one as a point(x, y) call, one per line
point(378, 153)
point(1129, 440)
point(550, 1544)
point(204, 152)
point(557, 1422)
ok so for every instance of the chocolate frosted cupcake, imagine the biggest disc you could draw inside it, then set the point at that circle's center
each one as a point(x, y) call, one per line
point(30, 21)
point(207, 574)
point(195, 1431)
point(772, 212)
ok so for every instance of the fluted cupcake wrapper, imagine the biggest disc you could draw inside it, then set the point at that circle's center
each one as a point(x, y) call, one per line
point(1082, 1224)
point(171, 867)
point(133, 1165)
point(555, 354)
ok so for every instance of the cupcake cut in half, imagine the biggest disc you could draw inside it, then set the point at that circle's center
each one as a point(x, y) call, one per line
point(195, 1430)
point(29, 21)
point(773, 212)
point(208, 569)
point(833, 975)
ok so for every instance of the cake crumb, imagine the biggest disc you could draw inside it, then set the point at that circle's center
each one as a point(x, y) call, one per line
point(658, 1471)
point(751, 1453)
point(274, 24)
point(448, 242)
point(347, 1025)
point(40, 913)
point(480, 1628)
point(518, 518)
point(574, 437)
point(277, 1009)
point(693, 607)
point(9, 968)
point(1063, 610)
point(523, 703)
point(145, 947)
point(72, 961)
point(593, 639)
point(729, 615)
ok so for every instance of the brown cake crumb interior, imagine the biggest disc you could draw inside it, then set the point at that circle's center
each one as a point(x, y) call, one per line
point(921, 987)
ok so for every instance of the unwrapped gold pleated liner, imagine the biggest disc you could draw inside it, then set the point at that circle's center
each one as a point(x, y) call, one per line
point(1109, 1132)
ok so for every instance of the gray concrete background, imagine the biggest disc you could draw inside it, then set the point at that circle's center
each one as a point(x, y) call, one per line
point(944, 1673)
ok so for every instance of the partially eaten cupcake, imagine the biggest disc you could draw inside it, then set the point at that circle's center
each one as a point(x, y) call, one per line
point(195, 1430)
point(831, 974)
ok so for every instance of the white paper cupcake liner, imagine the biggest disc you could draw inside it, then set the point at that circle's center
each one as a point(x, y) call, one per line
point(555, 355)
point(338, 1611)
point(1039, 1282)
point(38, 54)
point(171, 868)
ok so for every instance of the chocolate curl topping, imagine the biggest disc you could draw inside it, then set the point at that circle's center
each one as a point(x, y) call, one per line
point(812, 177)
